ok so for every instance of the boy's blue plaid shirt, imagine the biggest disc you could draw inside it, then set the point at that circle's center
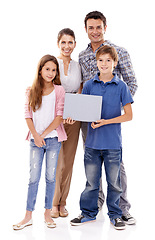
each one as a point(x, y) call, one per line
point(124, 69)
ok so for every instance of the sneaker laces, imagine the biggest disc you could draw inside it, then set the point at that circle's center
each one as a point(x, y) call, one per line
point(80, 216)
point(128, 215)
point(118, 220)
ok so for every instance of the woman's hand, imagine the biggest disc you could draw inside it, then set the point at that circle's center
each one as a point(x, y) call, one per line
point(69, 121)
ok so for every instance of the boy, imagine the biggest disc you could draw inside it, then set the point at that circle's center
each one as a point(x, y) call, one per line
point(103, 143)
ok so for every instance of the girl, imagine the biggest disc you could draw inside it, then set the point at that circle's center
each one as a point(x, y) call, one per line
point(70, 76)
point(43, 113)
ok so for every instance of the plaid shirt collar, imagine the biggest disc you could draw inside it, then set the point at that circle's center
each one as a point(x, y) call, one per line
point(89, 48)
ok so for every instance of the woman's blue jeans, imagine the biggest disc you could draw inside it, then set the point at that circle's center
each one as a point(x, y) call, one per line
point(51, 150)
point(93, 160)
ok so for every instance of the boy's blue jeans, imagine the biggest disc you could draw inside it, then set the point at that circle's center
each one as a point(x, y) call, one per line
point(51, 149)
point(93, 160)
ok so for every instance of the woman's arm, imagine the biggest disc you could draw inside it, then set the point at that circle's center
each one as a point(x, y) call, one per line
point(80, 88)
point(127, 116)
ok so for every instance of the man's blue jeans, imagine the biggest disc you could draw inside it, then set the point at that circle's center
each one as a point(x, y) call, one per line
point(51, 149)
point(93, 160)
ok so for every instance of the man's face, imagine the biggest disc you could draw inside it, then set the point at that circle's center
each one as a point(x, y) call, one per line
point(95, 30)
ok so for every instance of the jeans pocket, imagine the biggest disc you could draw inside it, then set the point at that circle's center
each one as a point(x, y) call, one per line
point(32, 144)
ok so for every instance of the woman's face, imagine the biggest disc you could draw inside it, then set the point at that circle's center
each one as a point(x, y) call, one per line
point(66, 45)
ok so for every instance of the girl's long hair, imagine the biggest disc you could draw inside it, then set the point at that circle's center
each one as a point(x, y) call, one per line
point(36, 92)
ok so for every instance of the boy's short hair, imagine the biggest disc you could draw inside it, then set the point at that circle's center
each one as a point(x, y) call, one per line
point(107, 50)
point(95, 15)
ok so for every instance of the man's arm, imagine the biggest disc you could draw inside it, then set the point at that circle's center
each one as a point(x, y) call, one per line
point(125, 68)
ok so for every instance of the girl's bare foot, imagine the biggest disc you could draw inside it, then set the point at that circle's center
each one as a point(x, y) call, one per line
point(27, 218)
point(27, 221)
point(48, 220)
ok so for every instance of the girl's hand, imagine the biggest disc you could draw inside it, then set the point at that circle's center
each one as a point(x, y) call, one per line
point(39, 141)
point(70, 121)
point(98, 123)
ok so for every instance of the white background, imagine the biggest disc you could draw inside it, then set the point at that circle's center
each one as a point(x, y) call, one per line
point(28, 31)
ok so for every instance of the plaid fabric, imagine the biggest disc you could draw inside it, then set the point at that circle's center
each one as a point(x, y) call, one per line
point(124, 69)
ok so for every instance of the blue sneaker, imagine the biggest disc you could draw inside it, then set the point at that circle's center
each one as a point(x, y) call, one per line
point(118, 223)
point(81, 220)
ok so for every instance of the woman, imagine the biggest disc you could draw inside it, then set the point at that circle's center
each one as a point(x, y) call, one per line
point(70, 76)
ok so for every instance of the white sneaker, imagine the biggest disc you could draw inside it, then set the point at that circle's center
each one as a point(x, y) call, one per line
point(128, 219)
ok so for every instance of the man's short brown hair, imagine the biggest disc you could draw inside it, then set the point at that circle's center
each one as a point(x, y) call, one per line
point(95, 15)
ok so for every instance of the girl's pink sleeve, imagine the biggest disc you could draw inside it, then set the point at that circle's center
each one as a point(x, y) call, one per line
point(28, 114)
point(60, 101)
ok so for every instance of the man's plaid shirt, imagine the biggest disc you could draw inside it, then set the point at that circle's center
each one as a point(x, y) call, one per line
point(124, 69)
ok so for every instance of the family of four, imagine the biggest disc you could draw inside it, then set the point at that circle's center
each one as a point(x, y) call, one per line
point(99, 71)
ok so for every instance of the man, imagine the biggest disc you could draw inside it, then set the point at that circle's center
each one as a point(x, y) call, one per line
point(95, 26)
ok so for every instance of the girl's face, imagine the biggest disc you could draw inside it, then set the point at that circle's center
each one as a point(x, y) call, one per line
point(49, 71)
point(66, 45)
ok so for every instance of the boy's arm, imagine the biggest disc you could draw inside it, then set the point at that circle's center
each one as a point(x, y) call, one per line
point(127, 116)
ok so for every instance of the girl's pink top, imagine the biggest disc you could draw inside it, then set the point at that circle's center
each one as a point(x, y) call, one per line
point(59, 107)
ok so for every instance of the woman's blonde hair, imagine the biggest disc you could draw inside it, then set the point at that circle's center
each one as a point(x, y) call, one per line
point(36, 91)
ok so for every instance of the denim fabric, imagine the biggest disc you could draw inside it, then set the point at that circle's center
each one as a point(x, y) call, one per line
point(93, 160)
point(51, 150)
point(124, 203)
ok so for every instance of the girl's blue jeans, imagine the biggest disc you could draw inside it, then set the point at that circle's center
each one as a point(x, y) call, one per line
point(93, 160)
point(51, 151)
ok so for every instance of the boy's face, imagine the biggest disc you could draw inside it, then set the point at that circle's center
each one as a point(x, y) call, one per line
point(95, 30)
point(106, 64)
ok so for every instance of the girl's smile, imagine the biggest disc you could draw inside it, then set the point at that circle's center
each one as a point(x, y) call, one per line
point(48, 71)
